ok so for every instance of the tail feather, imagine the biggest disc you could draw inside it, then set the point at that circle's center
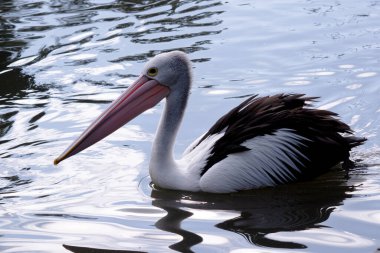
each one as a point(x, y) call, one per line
point(354, 141)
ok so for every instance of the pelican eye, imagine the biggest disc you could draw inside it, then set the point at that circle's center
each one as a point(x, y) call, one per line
point(152, 72)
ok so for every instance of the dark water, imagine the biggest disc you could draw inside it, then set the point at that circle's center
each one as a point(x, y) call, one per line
point(62, 62)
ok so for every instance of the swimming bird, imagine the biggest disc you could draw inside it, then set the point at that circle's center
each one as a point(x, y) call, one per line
point(264, 141)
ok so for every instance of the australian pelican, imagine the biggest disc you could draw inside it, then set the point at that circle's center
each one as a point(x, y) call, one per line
point(264, 141)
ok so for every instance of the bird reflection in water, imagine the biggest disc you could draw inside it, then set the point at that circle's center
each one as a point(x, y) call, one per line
point(293, 207)
point(76, 249)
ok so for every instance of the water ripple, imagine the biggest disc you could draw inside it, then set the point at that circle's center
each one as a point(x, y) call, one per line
point(327, 238)
point(62, 62)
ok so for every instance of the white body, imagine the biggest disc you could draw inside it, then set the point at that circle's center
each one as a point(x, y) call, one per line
point(241, 171)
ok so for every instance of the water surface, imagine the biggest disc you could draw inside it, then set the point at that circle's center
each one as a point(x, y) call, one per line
point(62, 62)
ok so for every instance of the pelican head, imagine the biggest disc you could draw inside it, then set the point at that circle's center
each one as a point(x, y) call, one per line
point(169, 69)
point(166, 75)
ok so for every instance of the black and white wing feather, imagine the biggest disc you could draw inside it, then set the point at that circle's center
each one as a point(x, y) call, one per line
point(273, 140)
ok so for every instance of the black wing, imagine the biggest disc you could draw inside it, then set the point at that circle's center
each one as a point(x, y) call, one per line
point(258, 116)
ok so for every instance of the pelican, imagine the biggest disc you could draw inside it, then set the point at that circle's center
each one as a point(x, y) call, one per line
point(264, 141)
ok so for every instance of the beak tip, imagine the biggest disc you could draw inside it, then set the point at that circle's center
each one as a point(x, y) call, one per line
point(56, 161)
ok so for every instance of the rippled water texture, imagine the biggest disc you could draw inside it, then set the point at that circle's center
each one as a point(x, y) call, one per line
point(62, 62)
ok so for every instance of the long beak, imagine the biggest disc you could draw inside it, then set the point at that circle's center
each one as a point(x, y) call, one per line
point(143, 94)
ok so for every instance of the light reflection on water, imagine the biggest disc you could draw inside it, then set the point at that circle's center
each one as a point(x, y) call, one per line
point(62, 62)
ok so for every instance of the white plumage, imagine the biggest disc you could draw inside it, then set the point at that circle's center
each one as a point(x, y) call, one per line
point(250, 169)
